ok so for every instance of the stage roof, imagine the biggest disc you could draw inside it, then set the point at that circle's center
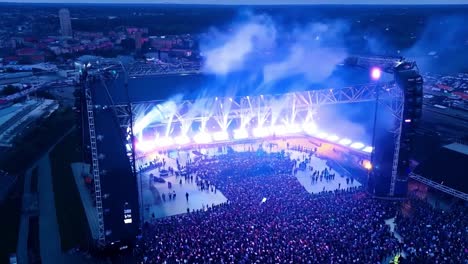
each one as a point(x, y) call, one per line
point(463, 149)
point(194, 86)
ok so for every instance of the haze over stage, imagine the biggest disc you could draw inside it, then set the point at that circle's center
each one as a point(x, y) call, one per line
point(193, 86)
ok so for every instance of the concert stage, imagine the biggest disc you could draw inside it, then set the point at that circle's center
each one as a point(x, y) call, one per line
point(124, 131)
point(198, 199)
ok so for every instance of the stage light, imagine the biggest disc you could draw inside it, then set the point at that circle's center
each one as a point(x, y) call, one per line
point(345, 142)
point(220, 136)
point(182, 140)
point(376, 73)
point(367, 164)
point(357, 145)
point(241, 134)
point(278, 130)
point(407, 120)
point(293, 129)
point(322, 135)
point(164, 142)
point(145, 146)
point(333, 138)
point(310, 128)
point(368, 149)
point(260, 132)
point(202, 138)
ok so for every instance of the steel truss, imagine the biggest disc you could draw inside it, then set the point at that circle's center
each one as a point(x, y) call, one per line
point(267, 107)
point(148, 69)
point(385, 63)
point(439, 187)
point(95, 164)
point(396, 104)
point(264, 106)
point(298, 106)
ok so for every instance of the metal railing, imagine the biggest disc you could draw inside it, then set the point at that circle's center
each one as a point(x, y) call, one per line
point(439, 186)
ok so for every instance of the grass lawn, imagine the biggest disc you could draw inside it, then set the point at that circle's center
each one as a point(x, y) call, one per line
point(73, 225)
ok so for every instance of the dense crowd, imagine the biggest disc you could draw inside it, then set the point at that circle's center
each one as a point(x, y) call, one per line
point(432, 235)
point(270, 218)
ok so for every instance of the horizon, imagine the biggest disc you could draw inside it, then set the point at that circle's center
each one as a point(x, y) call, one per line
point(247, 2)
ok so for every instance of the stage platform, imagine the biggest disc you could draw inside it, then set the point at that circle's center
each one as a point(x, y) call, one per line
point(151, 191)
point(304, 177)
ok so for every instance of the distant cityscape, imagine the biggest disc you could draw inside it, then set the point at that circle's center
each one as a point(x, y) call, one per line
point(33, 63)
point(47, 64)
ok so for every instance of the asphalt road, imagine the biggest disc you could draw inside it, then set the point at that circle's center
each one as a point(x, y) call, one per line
point(451, 124)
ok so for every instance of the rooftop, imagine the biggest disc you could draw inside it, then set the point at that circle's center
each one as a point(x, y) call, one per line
point(460, 148)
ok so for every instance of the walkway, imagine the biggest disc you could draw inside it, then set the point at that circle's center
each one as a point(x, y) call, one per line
point(86, 198)
point(22, 246)
point(391, 223)
point(49, 235)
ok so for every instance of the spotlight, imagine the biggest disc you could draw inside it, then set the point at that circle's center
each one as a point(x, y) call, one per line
point(345, 142)
point(333, 138)
point(260, 132)
point(145, 146)
point(293, 129)
point(164, 142)
point(240, 134)
point(277, 130)
point(310, 128)
point(368, 149)
point(202, 138)
point(367, 164)
point(322, 135)
point(357, 145)
point(182, 140)
point(376, 73)
point(220, 136)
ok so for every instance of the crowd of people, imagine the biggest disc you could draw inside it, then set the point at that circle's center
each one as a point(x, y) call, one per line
point(433, 235)
point(270, 218)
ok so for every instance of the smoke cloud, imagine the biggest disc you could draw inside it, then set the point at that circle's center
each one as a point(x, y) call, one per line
point(443, 45)
point(233, 48)
point(260, 47)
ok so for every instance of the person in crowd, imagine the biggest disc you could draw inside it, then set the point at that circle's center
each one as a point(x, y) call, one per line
point(270, 218)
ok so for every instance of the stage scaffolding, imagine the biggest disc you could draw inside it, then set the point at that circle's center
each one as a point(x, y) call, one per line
point(263, 106)
point(294, 106)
